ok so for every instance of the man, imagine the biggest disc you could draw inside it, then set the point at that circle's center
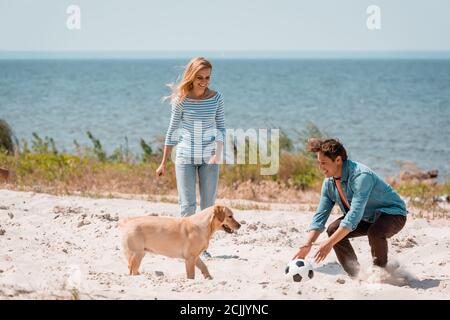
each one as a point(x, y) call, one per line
point(371, 207)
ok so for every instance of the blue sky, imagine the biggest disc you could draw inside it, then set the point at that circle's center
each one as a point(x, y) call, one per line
point(224, 25)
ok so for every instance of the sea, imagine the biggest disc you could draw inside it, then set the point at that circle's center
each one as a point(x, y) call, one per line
point(387, 112)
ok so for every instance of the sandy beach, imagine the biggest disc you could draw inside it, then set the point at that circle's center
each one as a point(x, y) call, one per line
point(64, 247)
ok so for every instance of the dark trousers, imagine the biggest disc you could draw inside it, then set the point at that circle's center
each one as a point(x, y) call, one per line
point(384, 227)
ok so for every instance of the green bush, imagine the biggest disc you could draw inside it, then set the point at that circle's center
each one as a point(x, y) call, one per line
point(7, 140)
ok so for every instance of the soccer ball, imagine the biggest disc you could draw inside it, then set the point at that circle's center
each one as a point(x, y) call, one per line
point(299, 270)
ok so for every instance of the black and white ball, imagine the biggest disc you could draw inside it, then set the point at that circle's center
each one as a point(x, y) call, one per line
point(299, 270)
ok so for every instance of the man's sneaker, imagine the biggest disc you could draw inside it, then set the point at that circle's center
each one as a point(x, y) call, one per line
point(205, 255)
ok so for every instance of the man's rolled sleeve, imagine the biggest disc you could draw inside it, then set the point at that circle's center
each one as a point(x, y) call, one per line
point(324, 209)
point(362, 185)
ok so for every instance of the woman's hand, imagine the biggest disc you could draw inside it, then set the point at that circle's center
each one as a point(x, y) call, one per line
point(214, 159)
point(161, 170)
point(303, 251)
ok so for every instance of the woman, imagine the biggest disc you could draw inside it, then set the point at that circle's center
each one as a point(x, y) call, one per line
point(197, 127)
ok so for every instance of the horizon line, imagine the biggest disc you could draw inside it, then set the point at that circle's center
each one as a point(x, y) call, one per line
point(231, 54)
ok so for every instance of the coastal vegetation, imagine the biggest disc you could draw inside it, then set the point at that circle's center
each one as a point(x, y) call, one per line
point(38, 165)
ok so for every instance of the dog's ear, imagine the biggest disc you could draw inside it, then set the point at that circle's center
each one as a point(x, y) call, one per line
point(219, 212)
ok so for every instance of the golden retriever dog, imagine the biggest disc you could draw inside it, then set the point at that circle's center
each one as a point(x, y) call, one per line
point(184, 238)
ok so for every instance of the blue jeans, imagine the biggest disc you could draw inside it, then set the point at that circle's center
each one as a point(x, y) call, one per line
point(208, 176)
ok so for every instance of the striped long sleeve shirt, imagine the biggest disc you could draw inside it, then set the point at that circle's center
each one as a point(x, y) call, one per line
point(195, 126)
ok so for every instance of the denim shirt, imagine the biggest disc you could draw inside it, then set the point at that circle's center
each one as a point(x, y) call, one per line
point(368, 195)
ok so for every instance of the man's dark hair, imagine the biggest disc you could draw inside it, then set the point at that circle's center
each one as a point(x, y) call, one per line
point(331, 148)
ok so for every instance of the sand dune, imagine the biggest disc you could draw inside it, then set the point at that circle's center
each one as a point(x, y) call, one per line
point(50, 245)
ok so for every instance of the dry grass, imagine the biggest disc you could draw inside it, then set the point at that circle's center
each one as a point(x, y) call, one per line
point(240, 205)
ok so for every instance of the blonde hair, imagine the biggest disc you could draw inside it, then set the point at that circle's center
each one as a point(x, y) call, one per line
point(181, 90)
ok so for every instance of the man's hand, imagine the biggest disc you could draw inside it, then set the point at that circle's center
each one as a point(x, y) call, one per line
point(303, 252)
point(324, 249)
